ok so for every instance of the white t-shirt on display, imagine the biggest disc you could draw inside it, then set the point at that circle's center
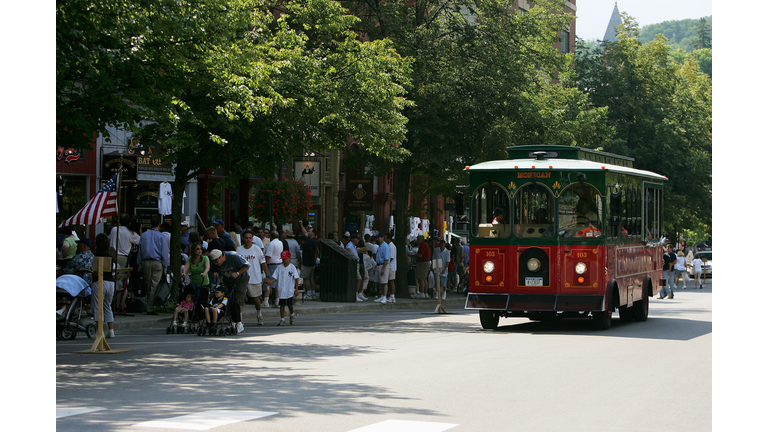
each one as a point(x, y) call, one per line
point(165, 199)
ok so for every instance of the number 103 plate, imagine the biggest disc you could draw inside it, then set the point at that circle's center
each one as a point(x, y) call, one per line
point(534, 281)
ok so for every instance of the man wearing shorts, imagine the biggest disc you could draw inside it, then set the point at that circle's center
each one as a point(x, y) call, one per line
point(382, 267)
point(255, 257)
point(392, 267)
point(272, 254)
point(234, 273)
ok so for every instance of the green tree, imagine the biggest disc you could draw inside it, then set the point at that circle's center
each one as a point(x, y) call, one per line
point(242, 84)
point(478, 68)
point(662, 113)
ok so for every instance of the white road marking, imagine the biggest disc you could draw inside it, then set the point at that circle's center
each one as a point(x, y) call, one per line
point(66, 412)
point(206, 419)
point(405, 426)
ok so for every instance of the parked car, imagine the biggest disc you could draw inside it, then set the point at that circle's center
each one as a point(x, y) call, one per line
point(705, 256)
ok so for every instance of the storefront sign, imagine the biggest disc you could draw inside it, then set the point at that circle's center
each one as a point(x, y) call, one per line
point(309, 173)
point(359, 194)
point(111, 163)
point(69, 155)
point(150, 164)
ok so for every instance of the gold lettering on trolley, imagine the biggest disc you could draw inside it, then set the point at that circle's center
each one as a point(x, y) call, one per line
point(534, 174)
point(594, 251)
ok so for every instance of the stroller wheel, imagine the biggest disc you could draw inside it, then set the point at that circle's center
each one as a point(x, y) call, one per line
point(90, 331)
point(69, 333)
point(167, 330)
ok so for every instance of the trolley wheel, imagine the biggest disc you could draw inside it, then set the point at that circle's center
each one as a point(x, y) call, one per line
point(90, 331)
point(489, 320)
point(69, 333)
point(602, 320)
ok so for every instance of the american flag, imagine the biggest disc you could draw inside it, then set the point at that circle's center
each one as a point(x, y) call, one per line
point(103, 204)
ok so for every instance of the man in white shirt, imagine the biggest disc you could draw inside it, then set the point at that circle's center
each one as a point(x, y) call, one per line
point(392, 267)
point(124, 241)
point(272, 255)
point(255, 257)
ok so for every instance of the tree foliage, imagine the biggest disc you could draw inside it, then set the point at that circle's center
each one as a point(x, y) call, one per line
point(687, 34)
point(242, 84)
point(661, 110)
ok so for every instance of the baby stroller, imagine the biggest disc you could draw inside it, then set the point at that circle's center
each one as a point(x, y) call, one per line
point(223, 326)
point(72, 296)
point(195, 314)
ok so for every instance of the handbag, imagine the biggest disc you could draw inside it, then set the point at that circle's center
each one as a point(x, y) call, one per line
point(163, 290)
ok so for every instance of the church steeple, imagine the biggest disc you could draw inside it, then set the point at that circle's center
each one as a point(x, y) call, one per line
point(610, 32)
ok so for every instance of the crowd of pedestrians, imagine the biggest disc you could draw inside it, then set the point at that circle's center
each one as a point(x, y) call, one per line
point(675, 270)
point(256, 263)
point(263, 265)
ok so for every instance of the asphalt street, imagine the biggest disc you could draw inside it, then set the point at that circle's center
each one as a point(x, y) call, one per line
point(401, 370)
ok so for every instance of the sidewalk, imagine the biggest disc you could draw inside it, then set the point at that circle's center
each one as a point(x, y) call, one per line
point(453, 303)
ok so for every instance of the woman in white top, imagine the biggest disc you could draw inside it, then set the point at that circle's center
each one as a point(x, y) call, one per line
point(680, 268)
point(698, 266)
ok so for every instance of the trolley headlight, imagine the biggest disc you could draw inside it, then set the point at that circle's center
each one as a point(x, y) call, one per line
point(489, 267)
point(533, 265)
point(581, 268)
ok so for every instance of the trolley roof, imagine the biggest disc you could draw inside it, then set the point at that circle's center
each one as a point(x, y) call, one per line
point(560, 164)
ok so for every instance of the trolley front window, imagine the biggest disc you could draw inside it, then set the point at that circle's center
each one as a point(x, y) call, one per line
point(533, 212)
point(580, 212)
point(490, 212)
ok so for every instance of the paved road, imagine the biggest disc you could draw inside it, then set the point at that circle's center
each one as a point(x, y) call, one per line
point(402, 370)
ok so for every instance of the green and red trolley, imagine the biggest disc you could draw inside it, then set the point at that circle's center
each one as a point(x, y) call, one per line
point(561, 231)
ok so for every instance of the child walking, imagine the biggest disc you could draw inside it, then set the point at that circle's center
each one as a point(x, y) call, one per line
point(287, 278)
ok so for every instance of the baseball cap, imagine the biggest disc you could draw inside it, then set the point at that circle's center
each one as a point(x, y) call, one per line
point(285, 255)
point(214, 255)
point(219, 222)
point(184, 223)
point(84, 241)
point(218, 288)
point(346, 234)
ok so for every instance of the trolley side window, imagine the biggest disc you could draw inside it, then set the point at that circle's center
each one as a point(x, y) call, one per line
point(580, 212)
point(490, 212)
point(653, 213)
point(533, 212)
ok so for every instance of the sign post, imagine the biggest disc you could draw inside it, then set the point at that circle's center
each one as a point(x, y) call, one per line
point(100, 345)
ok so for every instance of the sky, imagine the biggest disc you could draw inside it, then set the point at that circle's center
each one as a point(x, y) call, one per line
point(592, 16)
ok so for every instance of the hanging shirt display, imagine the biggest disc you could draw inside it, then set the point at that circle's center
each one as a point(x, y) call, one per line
point(164, 199)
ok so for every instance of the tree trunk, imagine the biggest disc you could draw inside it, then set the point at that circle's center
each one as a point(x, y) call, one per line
point(402, 228)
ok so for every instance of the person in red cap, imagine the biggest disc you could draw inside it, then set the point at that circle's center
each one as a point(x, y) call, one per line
point(287, 278)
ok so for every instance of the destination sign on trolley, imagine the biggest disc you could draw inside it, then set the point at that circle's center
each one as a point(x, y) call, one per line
point(534, 174)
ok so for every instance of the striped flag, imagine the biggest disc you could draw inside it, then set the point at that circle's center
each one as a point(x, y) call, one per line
point(103, 204)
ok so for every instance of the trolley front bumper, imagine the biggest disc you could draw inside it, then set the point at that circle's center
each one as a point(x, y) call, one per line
point(535, 302)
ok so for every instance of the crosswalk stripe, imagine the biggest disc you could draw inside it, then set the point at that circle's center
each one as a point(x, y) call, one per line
point(206, 419)
point(66, 412)
point(405, 426)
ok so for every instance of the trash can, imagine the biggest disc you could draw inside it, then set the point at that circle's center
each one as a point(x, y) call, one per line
point(338, 280)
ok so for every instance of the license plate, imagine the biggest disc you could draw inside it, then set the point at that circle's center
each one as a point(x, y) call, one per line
point(534, 281)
